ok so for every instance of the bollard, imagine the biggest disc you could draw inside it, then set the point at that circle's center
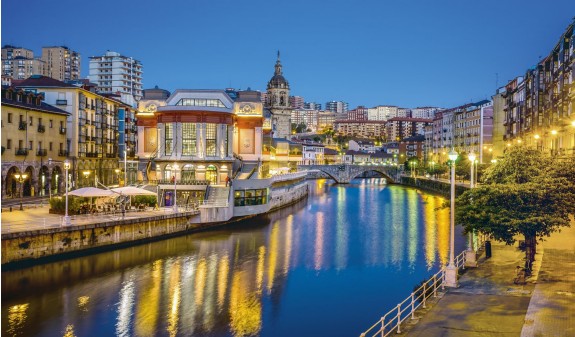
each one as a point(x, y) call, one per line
point(10, 208)
point(487, 249)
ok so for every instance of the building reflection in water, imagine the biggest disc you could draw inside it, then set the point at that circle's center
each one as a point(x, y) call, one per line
point(216, 282)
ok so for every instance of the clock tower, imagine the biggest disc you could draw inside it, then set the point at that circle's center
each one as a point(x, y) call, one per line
point(277, 102)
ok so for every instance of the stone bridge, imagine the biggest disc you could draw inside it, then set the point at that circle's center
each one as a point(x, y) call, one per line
point(344, 173)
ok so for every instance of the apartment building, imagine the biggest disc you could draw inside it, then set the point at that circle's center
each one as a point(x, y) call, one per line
point(117, 74)
point(33, 144)
point(362, 129)
point(92, 130)
point(398, 128)
point(19, 63)
point(61, 63)
point(539, 107)
point(309, 117)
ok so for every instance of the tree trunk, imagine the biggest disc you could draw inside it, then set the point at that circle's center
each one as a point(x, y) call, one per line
point(530, 249)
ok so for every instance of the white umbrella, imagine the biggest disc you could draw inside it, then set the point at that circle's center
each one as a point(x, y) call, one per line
point(91, 192)
point(131, 190)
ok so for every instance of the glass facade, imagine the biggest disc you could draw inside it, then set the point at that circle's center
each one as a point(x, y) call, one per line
point(169, 138)
point(251, 197)
point(211, 140)
point(189, 139)
point(201, 102)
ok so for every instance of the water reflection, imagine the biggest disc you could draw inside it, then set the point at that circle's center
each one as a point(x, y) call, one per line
point(360, 244)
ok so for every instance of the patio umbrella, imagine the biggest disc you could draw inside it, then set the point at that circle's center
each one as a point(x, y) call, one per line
point(131, 190)
point(91, 192)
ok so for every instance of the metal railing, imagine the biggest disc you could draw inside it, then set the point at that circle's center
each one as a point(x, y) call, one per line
point(392, 320)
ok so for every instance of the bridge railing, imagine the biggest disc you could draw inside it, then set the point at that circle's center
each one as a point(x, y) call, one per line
point(391, 322)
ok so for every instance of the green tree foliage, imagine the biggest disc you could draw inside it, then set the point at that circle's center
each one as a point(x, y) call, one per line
point(524, 193)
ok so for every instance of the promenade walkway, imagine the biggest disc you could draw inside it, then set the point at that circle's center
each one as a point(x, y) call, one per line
point(34, 218)
point(488, 303)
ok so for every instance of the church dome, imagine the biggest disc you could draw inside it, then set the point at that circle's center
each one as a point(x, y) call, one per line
point(278, 81)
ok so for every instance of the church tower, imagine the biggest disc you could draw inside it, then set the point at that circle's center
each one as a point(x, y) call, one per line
point(278, 103)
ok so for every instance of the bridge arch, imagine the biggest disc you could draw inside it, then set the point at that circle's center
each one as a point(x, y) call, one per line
point(344, 173)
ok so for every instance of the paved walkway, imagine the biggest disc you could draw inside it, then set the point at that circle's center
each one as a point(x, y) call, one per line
point(488, 303)
point(37, 217)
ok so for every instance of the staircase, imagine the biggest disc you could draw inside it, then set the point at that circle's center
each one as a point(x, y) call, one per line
point(247, 170)
point(219, 205)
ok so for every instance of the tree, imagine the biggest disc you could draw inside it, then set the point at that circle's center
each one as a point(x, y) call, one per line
point(525, 194)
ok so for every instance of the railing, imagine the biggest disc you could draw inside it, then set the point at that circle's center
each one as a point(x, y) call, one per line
point(41, 128)
point(22, 126)
point(63, 153)
point(42, 152)
point(288, 176)
point(179, 182)
point(214, 203)
point(21, 152)
point(62, 131)
point(392, 320)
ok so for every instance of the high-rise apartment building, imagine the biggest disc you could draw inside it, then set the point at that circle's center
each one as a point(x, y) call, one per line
point(296, 102)
point(357, 114)
point(338, 107)
point(312, 105)
point(61, 63)
point(19, 63)
point(117, 74)
point(424, 112)
point(382, 113)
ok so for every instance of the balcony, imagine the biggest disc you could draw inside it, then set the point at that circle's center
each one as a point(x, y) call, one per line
point(42, 152)
point(22, 126)
point(92, 154)
point(21, 152)
point(62, 131)
point(111, 155)
point(41, 128)
point(63, 153)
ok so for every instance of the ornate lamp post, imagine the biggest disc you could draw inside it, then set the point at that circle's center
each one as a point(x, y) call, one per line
point(470, 256)
point(66, 220)
point(175, 186)
point(451, 270)
point(21, 177)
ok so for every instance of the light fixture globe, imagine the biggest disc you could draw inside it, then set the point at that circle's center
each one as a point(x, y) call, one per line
point(453, 155)
point(472, 156)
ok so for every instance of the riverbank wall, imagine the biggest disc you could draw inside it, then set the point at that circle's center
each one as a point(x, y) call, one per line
point(34, 246)
point(434, 186)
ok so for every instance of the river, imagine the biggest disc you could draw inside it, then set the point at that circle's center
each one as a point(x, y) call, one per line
point(329, 265)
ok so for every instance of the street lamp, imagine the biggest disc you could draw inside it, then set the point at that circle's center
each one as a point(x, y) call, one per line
point(21, 177)
point(470, 256)
point(412, 162)
point(66, 220)
point(175, 186)
point(451, 270)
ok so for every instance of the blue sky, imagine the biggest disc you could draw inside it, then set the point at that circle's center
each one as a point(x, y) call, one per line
point(366, 52)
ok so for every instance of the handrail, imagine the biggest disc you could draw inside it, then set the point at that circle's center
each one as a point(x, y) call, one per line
point(391, 321)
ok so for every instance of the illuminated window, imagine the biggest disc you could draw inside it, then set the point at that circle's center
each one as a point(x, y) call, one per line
point(168, 138)
point(211, 140)
point(188, 139)
point(201, 102)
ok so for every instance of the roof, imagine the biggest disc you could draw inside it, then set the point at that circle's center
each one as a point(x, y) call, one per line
point(407, 119)
point(328, 151)
point(42, 107)
point(43, 81)
point(381, 155)
point(356, 153)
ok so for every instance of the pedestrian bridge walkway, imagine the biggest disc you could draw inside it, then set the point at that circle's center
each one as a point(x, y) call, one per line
point(344, 173)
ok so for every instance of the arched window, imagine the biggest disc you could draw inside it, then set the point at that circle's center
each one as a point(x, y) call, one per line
point(168, 172)
point(212, 174)
point(188, 172)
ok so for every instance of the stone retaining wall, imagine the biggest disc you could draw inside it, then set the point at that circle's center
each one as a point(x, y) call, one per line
point(42, 243)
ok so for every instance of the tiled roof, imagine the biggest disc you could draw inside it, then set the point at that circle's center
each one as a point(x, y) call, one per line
point(42, 107)
point(43, 81)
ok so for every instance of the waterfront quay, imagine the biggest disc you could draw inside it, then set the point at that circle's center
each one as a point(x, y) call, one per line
point(362, 245)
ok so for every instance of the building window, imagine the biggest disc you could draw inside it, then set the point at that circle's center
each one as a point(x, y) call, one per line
point(188, 172)
point(188, 139)
point(9, 117)
point(30, 145)
point(50, 146)
point(201, 102)
point(168, 138)
point(9, 144)
point(50, 123)
point(226, 141)
point(250, 197)
point(211, 140)
point(31, 119)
